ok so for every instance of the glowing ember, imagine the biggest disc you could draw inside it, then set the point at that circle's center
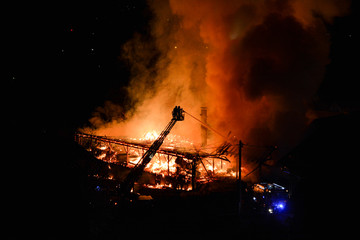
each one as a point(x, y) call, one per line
point(169, 161)
point(171, 140)
point(151, 136)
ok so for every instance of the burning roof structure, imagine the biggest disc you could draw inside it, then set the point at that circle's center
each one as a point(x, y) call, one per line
point(177, 159)
point(174, 159)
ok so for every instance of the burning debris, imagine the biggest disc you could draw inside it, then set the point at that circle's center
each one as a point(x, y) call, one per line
point(170, 160)
point(174, 162)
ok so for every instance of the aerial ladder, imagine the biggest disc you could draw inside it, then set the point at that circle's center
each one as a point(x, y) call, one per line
point(136, 172)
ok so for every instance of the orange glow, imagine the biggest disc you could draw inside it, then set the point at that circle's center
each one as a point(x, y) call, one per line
point(151, 136)
point(163, 164)
point(255, 65)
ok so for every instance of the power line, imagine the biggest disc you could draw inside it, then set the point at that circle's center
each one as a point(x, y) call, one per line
point(217, 132)
point(205, 125)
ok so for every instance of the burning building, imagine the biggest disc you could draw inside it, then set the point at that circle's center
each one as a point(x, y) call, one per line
point(255, 65)
point(176, 164)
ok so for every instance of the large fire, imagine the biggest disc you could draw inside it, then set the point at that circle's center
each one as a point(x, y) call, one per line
point(256, 65)
point(168, 162)
point(162, 165)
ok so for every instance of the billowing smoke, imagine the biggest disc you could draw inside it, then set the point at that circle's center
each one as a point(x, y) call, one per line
point(255, 64)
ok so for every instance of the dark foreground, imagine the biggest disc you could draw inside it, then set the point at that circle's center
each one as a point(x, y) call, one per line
point(191, 217)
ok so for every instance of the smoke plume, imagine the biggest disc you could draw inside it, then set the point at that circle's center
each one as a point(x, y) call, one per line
point(254, 64)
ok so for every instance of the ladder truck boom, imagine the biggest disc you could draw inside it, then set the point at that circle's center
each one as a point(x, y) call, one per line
point(136, 172)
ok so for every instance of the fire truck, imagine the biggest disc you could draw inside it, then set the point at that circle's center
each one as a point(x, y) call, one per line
point(270, 197)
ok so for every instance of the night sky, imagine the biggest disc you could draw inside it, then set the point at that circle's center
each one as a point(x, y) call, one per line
point(65, 60)
point(341, 78)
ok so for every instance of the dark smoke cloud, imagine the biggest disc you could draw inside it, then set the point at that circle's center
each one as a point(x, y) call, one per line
point(254, 64)
point(285, 62)
point(284, 58)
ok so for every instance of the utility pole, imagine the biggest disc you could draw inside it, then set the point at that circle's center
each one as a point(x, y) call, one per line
point(193, 173)
point(239, 179)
